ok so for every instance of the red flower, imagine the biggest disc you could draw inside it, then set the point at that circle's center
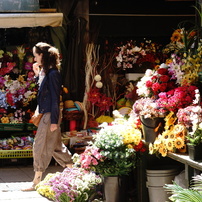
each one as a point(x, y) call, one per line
point(164, 78)
point(9, 97)
point(94, 95)
point(156, 87)
point(149, 84)
point(104, 103)
point(140, 147)
point(162, 71)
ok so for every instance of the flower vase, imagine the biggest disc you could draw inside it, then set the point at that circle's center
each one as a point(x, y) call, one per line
point(195, 152)
point(152, 127)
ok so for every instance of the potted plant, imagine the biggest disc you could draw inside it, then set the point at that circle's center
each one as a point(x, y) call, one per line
point(195, 143)
point(113, 153)
point(191, 117)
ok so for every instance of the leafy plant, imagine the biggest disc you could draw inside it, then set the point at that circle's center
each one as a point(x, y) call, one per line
point(195, 138)
point(192, 194)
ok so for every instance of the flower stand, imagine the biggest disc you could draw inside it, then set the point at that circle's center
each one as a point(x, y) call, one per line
point(151, 128)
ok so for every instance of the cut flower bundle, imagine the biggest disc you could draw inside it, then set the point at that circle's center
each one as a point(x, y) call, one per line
point(114, 150)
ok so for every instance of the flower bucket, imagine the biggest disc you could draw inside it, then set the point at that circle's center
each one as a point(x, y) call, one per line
point(116, 188)
point(195, 152)
point(111, 189)
point(152, 127)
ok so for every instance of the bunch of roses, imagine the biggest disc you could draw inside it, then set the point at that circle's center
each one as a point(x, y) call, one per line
point(156, 81)
point(177, 98)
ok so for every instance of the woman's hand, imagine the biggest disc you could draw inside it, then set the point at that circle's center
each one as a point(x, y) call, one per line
point(36, 69)
point(53, 127)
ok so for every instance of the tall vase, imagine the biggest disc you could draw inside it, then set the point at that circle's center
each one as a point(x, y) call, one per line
point(152, 127)
point(111, 189)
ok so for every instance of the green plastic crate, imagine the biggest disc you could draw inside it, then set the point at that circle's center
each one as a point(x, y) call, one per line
point(30, 126)
point(11, 127)
point(10, 154)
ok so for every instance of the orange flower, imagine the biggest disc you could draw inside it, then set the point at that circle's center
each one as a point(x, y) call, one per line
point(176, 36)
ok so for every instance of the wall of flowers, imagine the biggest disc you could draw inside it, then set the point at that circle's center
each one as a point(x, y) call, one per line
point(17, 85)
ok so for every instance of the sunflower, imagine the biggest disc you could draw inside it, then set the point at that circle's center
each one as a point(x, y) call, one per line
point(179, 128)
point(169, 144)
point(163, 150)
point(179, 143)
point(165, 134)
point(171, 135)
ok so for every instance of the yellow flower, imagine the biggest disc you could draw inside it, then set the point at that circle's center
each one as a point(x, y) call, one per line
point(151, 149)
point(163, 150)
point(169, 144)
point(179, 143)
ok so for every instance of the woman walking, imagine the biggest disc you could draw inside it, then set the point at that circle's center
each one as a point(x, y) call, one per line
point(47, 142)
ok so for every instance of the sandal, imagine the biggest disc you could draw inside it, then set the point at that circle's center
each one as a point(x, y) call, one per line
point(32, 188)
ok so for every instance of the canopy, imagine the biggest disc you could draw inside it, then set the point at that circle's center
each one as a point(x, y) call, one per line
point(19, 20)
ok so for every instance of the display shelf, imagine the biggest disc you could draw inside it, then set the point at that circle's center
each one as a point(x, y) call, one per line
point(184, 158)
point(12, 127)
point(192, 168)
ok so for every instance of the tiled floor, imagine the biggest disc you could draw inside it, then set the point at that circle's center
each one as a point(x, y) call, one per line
point(15, 178)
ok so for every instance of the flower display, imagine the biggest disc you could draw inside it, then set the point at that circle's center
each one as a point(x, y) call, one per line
point(148, 108)
point(114, 149)
point(17, 82)
point(100, 100)
point(132, 54)
point(73, 184)
point(171, 139)
point(156, 81)
point(177, 98)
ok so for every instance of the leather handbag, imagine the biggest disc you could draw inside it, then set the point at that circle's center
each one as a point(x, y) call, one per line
point(36, 119)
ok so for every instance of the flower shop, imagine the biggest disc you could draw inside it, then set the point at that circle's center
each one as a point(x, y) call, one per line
point(132, 114)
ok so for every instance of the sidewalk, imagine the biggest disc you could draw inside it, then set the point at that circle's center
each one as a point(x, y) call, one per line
point(15, 178)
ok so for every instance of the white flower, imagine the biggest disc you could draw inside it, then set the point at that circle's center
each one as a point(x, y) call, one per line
point(99, 84)
point(97, 77)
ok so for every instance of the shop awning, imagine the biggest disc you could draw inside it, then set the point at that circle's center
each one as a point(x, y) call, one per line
point(19, 20)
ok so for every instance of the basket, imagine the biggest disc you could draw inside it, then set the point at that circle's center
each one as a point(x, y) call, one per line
point(65, 141)
point(9, 154)
point(11, 126)
point(30, 126)
point(73, 115)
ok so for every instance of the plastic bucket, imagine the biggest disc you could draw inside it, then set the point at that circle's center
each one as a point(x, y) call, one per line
point(157, 194)
point(156, 179)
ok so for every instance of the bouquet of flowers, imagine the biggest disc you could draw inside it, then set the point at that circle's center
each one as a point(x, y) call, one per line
point(113, 151)
point(131, 54)
point(149, 108)
point(156, 81)
point(177, 98)
point(172, 139)
point(75, 184)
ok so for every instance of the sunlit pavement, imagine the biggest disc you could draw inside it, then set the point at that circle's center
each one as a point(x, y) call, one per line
point(15, 178)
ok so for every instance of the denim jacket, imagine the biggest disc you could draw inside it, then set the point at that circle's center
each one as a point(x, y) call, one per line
point(49, 95)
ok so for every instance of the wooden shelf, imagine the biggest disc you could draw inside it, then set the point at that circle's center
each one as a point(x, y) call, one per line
point(184, 158)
